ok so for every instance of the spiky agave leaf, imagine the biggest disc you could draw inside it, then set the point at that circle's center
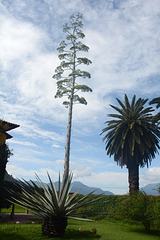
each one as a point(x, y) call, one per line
point(45, 201)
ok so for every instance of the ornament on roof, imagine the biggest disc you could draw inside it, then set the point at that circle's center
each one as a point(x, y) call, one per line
point(4, 128)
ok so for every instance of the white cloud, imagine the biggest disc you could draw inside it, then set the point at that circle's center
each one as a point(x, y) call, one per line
point(122, 53)
point(20, 173)
point(24, 143)
point(152, 175)
point(56, 146)
point(111, 181)
point(116, 182)
point(19, 39)
point(59, 162)
point(79, 171)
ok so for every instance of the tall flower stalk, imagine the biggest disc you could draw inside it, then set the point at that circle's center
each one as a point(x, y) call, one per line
point(67, 74)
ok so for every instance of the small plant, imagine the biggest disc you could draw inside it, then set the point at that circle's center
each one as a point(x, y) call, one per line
point(55, 207)
point(94, 230)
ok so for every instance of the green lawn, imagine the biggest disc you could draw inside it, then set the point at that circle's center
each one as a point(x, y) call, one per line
point(106, 230)
point(17, 210)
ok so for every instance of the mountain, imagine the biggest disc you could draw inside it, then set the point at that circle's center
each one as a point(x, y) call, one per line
point(84, 189)
point(76, 186)
point(151, 189)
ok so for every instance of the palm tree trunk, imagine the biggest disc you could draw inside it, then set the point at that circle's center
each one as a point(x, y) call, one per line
point(133, 176)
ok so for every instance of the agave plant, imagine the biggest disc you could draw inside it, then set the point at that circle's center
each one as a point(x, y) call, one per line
point(54, 206)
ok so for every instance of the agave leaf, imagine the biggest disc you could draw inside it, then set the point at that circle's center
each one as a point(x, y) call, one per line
point(72, 197)
point(65, 193)
point(68, 183)
point(81, 219)
point(59, 184)
point(53, 188)
point(45, 202)
point(46, 196)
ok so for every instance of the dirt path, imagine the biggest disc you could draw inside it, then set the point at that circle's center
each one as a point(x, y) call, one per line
point(18, 218)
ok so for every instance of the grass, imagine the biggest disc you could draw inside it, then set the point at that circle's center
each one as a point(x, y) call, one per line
point(17, 210)
point(107, 229)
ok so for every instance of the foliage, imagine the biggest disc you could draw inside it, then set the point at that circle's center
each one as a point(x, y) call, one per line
point(5, 195)
point(5, 153)
point(130, 129)
point(135, 207)
point(156, 118)
point(155, 101)
point(140, 207)
point(53, 206)
point(108, 207)
point(116, 212)
point(17, 209)
point(132, 137)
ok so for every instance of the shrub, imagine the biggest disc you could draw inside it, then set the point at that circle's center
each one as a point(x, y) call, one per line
point(5, 196)
point(107, 206)
point(140, 207)
point(156, 212)
point(136, 207)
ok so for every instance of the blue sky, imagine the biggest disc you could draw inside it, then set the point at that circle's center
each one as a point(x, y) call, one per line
point(124, 41)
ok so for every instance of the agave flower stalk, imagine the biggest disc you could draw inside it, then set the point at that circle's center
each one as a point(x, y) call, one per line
point(53, 206)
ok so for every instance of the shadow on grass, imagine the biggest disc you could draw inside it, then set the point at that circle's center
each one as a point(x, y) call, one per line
point(69, 234)
point(10, 236)
point(74, 234)
point(143, 232)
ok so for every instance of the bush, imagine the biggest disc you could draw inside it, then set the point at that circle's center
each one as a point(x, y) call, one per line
point(5, 195)
point(107, 206)
point(5, 153)
point(136, 207)
point(143, 208)
point(156, 212)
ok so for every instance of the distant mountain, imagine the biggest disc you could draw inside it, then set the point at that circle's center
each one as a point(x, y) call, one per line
point(8, 177)
point(151, 189)
point(76, 186)
point(84, 189)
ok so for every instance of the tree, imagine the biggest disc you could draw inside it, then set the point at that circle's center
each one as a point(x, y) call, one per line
point(5, 153)
point(68, 72)
point(132, 137)
point(156, 118)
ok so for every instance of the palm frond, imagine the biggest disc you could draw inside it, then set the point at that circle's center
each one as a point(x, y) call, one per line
point(132, 133)
point(155, 101)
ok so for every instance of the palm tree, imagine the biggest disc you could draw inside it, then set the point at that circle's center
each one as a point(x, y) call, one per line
point(156, 118)
point(132, 137)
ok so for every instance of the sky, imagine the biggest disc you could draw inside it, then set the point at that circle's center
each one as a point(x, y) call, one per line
point(124, 46)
